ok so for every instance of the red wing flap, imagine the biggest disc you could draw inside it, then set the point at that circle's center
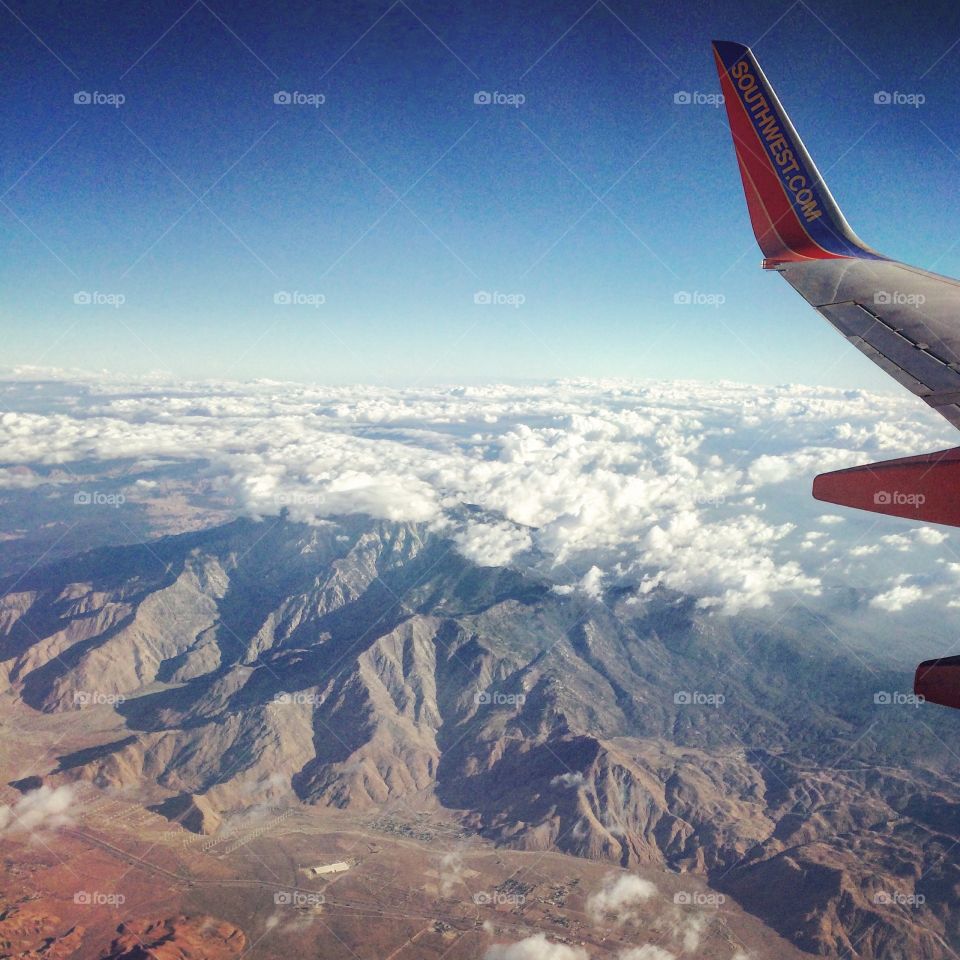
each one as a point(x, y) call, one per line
point(923, 488)
point(938, 681)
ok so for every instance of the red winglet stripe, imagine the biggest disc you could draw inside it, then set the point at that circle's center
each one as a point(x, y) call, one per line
point(779, 231)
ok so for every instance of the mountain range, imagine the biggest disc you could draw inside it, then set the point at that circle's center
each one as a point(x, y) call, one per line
point(365, 665)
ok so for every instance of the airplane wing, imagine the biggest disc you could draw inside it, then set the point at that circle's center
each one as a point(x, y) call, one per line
point(905, 319)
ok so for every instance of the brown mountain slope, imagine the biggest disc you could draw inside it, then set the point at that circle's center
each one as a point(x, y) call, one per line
point(361, 663)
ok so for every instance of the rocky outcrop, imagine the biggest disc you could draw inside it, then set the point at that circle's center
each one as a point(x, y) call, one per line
point(177, 938)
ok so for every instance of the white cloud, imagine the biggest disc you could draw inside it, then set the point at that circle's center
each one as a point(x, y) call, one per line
point(451, 872)
point(897, 541)
point(492, 544)
point(690, 930)
point(598, 485)
point(537, 947)
point(899, 596)
point(591, 583)
point(618, 895)
point(647, 952)
point(42, 809)
point(567, 780)
point(731, 565)
point(767, 469)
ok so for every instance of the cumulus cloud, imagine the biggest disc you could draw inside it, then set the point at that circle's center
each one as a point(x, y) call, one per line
point(599, 486)
point(647, 952)
point(767, 469)
point(537, 947)
point(450, 872)
point(896, 541)
point(42, 809)
point(567, 780)
point(929, 536)
point(901, 595)
point(731, 566)
point(618, 897)
point(492, 544)
point(689, 931)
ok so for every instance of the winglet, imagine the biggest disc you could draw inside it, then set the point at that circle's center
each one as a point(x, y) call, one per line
point(939, 681)
point(794, 215)
point(922, 488)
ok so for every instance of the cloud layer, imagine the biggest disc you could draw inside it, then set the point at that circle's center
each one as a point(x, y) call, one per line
point(702, 488)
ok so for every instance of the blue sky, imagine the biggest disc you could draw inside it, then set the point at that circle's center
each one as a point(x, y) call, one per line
point(396, 201)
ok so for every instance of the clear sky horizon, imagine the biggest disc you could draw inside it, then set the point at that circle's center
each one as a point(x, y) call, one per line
point(201, 228)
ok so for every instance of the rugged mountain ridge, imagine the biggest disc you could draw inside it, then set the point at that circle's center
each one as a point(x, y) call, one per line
point(362, 663)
